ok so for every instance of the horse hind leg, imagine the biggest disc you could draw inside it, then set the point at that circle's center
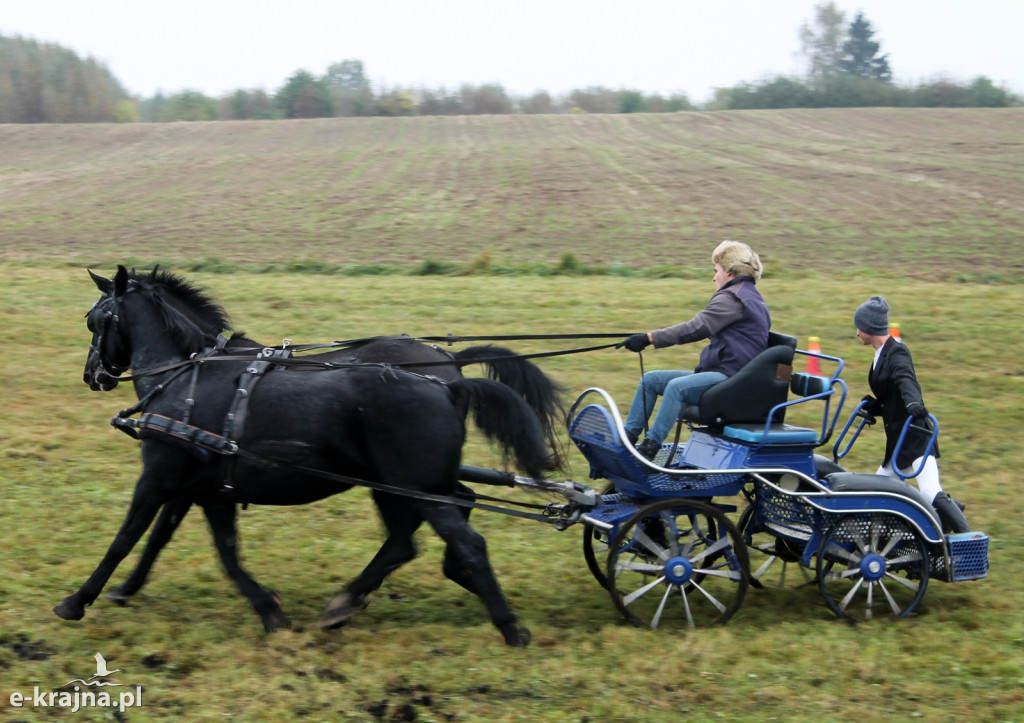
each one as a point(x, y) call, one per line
point(469, 549)
point(452, 566)
point(163, 529)
point(399, 548)
point(222, 520)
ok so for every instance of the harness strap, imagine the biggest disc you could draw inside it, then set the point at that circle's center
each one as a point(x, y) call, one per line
point(219, 444)
point(238, 413)
point(177, 429)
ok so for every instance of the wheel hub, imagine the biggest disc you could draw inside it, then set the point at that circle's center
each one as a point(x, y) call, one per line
point(678, 570)
point(872, 567)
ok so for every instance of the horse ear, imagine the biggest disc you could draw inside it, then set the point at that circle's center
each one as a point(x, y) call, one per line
point(120, 281)
point(104, 285)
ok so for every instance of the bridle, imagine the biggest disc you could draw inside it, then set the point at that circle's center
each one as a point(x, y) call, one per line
point(102, 320)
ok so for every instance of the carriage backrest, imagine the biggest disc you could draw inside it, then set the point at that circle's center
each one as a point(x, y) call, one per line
point(748, 396)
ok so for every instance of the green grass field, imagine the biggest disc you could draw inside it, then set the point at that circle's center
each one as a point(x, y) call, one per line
point(424, 649)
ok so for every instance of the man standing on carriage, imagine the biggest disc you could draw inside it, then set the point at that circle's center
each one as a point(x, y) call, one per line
point(897, 397)
point(736, 320)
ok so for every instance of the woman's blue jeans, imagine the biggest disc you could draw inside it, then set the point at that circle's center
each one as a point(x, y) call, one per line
point(675, 387)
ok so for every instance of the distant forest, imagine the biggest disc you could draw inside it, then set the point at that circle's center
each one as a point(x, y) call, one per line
point(45, 83)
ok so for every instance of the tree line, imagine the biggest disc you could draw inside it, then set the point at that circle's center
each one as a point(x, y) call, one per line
point(44, 83)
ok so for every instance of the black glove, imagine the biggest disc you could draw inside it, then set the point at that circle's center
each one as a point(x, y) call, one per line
point(871, 405)
point(917, 410)
point(636, 342)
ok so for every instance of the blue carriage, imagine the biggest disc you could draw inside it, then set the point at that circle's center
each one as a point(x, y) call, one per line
point(668, 538)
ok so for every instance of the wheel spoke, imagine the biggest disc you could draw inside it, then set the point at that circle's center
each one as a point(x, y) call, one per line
point(764, 567)
point(893, 541)
point(849, 556)
point(711, 550)
point(640, 592)
point(656, 619)
point(845, 602)
point(711, 598)
point(906, 582)
point(651, 546)
point(644, 568)
point(907, 557)
point(893, 605)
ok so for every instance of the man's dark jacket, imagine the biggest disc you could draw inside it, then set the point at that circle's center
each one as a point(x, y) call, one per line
point(894, 384)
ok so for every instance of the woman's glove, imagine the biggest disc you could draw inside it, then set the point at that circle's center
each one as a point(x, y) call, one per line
point(636, 342)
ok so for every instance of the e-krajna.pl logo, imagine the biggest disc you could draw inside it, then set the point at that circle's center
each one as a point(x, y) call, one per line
point(74, 697)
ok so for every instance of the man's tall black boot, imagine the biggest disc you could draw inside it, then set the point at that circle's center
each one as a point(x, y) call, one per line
point(950, 515)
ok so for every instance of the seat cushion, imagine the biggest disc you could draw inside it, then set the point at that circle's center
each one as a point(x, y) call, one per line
point(777, 434)
point(862, 482)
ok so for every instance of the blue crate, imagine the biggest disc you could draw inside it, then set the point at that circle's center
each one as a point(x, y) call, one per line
point(968, 555)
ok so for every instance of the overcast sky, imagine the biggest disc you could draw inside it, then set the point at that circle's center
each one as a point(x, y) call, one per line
point(664, 46)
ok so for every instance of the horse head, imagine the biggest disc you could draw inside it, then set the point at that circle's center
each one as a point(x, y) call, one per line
point(107, 358)
point(185, 317)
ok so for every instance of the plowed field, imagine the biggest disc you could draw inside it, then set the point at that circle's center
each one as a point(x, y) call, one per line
point(928, 192)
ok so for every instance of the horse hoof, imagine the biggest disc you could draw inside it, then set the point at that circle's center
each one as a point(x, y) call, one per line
point(341, 609)
point(69, 610)
point(276, 621)
point(118, 597)
point(516, 636)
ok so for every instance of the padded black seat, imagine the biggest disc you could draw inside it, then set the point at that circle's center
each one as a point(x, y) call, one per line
point(751, 393)
point(825, 466)
point(863, 482)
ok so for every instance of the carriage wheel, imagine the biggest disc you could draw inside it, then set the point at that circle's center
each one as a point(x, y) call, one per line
point(677, 562)
point(595, 547)
point(595, 550)
point(872, 566)
point(773, 561)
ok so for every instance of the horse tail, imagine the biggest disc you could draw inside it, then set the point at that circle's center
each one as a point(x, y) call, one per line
point(542, 394)
point(505, 418)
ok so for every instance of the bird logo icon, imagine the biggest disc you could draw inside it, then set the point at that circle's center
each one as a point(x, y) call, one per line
point(101, 672)
point(101, 668)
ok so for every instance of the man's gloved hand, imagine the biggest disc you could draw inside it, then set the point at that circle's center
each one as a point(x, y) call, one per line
point(869, 407)
point(636, 342)
point(917, 410)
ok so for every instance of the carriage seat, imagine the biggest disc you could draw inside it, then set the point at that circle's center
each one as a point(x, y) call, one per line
point(825, 466)
point(751, 393)
point(863, 482)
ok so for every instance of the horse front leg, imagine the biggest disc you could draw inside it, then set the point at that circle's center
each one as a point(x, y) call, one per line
point(141, 512)
point(469, 548)
point(170, 517)
point(223, 524)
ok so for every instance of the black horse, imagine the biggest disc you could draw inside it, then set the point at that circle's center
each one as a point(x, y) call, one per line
point(543, 394)
point(307, 432)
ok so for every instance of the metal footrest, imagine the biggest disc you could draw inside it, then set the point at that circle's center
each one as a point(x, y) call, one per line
point(968, 555)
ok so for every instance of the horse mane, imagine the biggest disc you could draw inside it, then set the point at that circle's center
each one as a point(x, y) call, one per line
point(188, 312)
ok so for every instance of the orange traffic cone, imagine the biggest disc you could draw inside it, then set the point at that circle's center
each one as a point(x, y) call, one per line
point(813, 362)
point(894, 330)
